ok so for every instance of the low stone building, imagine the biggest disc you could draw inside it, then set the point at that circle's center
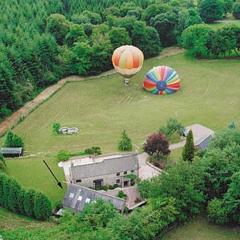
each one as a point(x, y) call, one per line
point(96, 172)
point(11, 152)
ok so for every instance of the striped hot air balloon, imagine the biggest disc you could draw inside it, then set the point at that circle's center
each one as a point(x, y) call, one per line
point(162, 80)
point(127, 61)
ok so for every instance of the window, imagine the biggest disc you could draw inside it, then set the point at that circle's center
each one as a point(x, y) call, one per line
point(71, 195)
point(78, 180)
point(118, 174)
point(80, 198)
point(117, 181)
point(87, 200)
point(132, 171)
point(125, 183)
point(125, 172)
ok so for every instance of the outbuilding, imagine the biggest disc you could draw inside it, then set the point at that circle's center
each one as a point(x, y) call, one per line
point(11, 152)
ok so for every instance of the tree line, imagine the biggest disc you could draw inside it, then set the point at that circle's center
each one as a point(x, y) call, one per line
point(22, 201)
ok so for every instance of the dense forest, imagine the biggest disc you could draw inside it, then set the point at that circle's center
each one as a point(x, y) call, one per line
point(42, 41)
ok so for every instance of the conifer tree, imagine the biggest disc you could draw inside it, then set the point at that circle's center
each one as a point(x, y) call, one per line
point(125, 144)
point(188, 150)
point(42, 207)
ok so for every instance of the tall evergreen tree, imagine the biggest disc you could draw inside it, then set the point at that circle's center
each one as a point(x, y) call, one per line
point(188, 150)
point(42, 207)
point(125, 143)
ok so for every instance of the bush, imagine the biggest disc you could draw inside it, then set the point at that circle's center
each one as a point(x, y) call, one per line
point(93, 151)
point(63, 155)
point(12, 140)
point(172, 126)
point(125, 143)
point(236, 10)
point(121, 194)
point(217, 212)
point(56, 127)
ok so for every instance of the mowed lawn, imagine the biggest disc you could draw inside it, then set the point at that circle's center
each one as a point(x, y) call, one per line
point(101, 108)
point(200, 229)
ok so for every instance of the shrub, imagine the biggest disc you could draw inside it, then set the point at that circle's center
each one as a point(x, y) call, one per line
point(93, 151)
point(172, 126)
point(236, 10)
point(121, 194)
point(63, 155)
point(42, 207)
point(13, 140)
point(125, 143)
point(55, 127)
point(217, 212)
point(188, 150)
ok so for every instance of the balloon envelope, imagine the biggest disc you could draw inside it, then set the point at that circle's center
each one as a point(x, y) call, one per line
point(127, 60)
point(162, 80)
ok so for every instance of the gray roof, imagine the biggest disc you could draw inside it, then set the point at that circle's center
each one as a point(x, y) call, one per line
point(78, 196)
point(203, 142)
point(121, 163)
point(11, 150)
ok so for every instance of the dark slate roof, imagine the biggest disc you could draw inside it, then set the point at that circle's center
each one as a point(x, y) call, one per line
point(203, 142)
point(11, 150)
point(124, 162)
point(78, 196)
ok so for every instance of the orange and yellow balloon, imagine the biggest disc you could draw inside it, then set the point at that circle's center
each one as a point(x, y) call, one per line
point(127, 61)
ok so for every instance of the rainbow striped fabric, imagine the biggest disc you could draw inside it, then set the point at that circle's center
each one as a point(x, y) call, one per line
point(161, 80)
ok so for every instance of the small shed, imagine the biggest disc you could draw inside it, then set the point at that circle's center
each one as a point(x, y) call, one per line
point(11, 152)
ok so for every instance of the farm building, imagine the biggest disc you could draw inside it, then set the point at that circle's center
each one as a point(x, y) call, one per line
point(11, 152)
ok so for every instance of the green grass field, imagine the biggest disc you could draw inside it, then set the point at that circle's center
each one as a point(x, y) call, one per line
point(103, 107)
point(200, 229)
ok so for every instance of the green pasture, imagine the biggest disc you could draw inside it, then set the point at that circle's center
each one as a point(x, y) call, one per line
point(201, 229)
point(101, 108)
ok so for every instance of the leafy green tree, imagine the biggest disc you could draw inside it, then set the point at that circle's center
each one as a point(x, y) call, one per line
point(125, 143)
point(236, 10)
point(98, 214)
point(118, 37)
point(63, 155)
point(228, 6)
point(58, 26)
point(12, 140)
point(197, 40)
point(76, 33)
point(188, 150)
point(231, 198)
point(165, 24)
point(211, 10)
point(42, 207)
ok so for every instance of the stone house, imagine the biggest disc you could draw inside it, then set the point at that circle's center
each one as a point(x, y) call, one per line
point(98, 171)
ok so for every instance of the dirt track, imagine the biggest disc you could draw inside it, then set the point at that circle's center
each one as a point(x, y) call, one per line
point(48, 92)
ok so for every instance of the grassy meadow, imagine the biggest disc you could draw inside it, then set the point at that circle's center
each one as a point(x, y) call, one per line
point(201, 229)
point(101, 108)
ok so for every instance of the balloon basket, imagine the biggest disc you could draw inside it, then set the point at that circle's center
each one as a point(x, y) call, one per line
point(126, 82)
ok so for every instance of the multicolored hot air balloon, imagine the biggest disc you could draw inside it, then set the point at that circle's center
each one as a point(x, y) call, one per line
point(161, 80)
point(127, 61)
